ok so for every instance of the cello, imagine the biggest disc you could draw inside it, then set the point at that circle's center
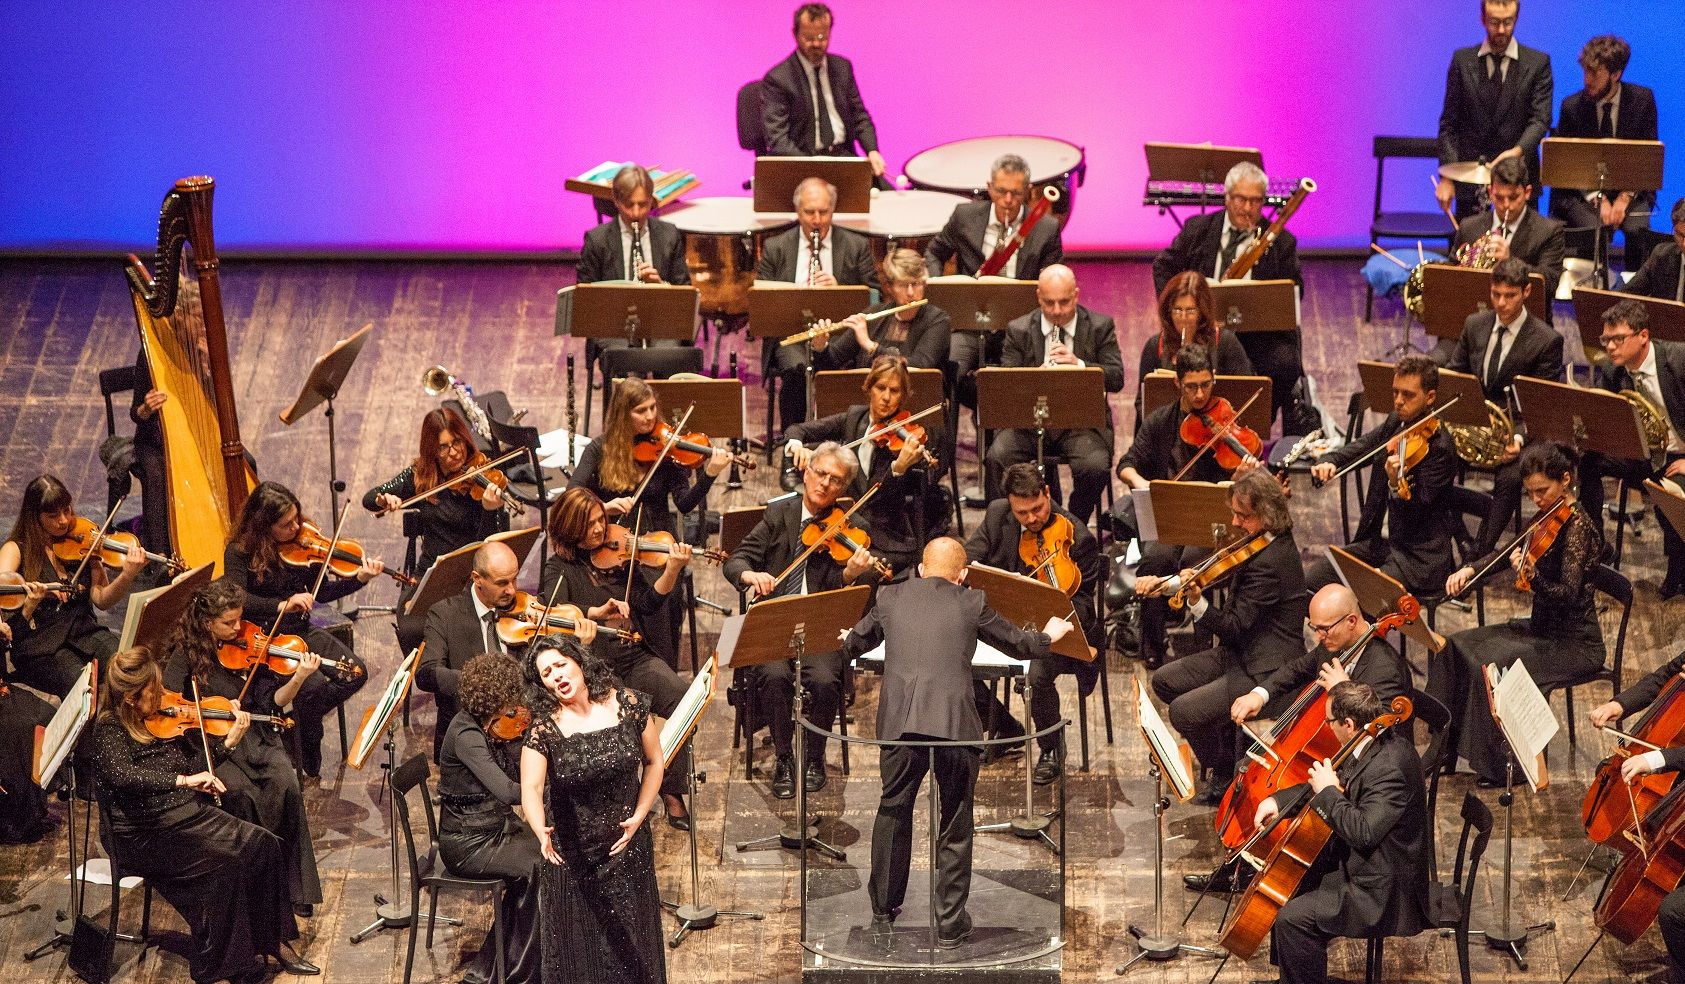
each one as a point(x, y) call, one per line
point(1652, 868)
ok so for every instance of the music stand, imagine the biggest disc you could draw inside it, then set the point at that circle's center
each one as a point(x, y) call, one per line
point(1184, 514)
point(1203, 164)
point(1256, 305)
point(735, 524)
point(1581, 418)
point(776, 179)
point(1667, 318)
point(1465, 396)
point(778, 310)
point(634, 313)
point(1600, 165)
point(1668, 502)
point(1042, 399)
point(1158, 388)
point(717, 404)
point(778, 629)
point(1451, 293)
point(835, 390)
point(55, 744)
point(1377, 593)
point(391, 912)
point(981, 304)
point(448, 576)
point(322, 386)
point(161, 610)
point(1375, 379)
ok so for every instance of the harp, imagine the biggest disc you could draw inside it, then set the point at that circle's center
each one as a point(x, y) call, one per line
point(178, 309)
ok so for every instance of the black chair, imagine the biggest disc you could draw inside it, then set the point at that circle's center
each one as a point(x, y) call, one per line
point(1618, 587)
point(1103, 684)
point(112, 382)
point(751, 134)
point(1404, 225)
point(94, 963)
point(530, 483)
point(1436, 717)
point(1354, 430)
point(427, 871)
point(650, 363)
point(1449, 905)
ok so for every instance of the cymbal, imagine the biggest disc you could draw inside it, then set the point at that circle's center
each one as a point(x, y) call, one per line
point(1468, 172)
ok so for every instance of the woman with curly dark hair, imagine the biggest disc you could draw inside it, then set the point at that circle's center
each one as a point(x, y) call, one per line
point(481, 834)
point(262, 783)
point(590, 772)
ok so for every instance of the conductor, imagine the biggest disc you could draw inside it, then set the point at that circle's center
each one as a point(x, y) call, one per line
point(930, 626)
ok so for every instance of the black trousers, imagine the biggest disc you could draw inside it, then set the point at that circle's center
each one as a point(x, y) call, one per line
point(789, 364)
point(1088, 451)
point(319, 695)
point(903, 772)
point(1199, 689)
point(1506, 502)
point(1044, 695)
point(1578, 214)
point(1161, 560)
point(1301, 947)
point(154, 493)
point(1596, 466)
point(649, 673)
point(1671, 919)
point(476, 847)
point(1274, 354)
point(773, 685)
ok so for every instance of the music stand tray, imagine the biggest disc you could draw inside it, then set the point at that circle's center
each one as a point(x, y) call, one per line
point(1256, 305)
point(1667, 501)
point(835, 390)
point(1028, 602)
point(718, 403)
point(736, 523)
point(327, 375)
point(1581, 418)
point(1667, 318)
point(1376, 381)
point(778, 310)
point(1377, 593)
point(981, 304)
point(1187, 514)
point(1158, 388)
point(1451, 293)
point(1596, 164)
point(1062, 398)
point(626, 310)
point(447, 576)
point(776, 179)
point(154, 614)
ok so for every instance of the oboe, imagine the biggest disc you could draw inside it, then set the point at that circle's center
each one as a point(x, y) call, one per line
point(573, 413)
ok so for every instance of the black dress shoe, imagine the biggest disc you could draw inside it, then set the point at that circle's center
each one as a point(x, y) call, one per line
point(784, 778)
point(297, 965)
point(1482, 782)
point(1225, 881)
point(1049, 766)
point(303, 910)
point(1212, 794)
point(679, 822)
point(947, 942)
point(814, 779)
point(884, 922)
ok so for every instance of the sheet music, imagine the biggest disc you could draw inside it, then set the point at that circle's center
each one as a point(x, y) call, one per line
point(55, 742)
point(1166, 749)
point(1145, 521)
point(986, 657)
point(729, 631)
point(553, 447)
point(369, 735)
point(1525, 717)
point(688, 712)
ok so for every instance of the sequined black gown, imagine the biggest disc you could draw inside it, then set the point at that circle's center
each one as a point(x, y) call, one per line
point(599, 916)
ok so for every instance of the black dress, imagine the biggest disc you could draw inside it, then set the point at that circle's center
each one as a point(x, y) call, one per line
point(261, 779)
point(219, 872)
point(449, 521)
point(480, 837)
point(600, 915)
point(23, 805)
point(50, 654)
point(685, 488)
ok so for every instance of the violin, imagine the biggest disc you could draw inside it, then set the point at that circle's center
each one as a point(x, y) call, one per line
point(177, 715)
point(518, 625)
point(14, 592)
point(1048, 555)
point(1543, 536)
point(1428, 424)
point(1612, 807)
point(111, 547)
point(511, 724)
point(1215, 567)
point(1650, 871)
point(650, 549)
point(1410, 447)
point(690, 450)
point(280, 653)
point(1298, 839)
point(894, 433)
point(1220, 422)
point(833, 533)
point(311, 547)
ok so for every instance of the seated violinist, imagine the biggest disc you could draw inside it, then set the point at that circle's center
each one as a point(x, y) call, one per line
point(1415, 545)
point(462, 627)
point(1259, 626)
point(1013, 531)
point(1374, 870)
point(902, 476)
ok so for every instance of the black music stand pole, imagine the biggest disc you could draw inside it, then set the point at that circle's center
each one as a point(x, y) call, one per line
point(1512, 941)
point(696, 914)
point(1159, 947)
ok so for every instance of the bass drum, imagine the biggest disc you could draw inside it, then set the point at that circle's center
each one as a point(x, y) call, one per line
point(723, 238)
point(962, 167)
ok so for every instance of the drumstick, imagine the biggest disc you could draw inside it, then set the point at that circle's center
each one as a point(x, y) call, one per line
point(1402, 265)
point(1434, 180)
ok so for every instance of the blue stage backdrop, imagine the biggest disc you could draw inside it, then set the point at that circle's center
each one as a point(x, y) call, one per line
point(383, 125)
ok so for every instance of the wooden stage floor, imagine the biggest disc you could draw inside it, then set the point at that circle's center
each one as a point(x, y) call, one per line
point(491, 324)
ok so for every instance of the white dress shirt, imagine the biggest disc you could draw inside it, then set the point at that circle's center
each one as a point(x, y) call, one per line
point(1069, 332)
point(804, 251)
point(480, 612)
point(994, 232)
point(1222, 243)
point(1651, 386)
point(1510, 54)
point(1506, 342)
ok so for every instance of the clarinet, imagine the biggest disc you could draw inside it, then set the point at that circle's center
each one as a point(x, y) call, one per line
point(573, 414)
point(813, 268)
point(637, 251)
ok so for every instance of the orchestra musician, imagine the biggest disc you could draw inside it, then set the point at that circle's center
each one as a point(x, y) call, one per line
point(1497, 105)
point(271, 519)
point(810, 102)
point(1061, 333)
point(259, 779)
point(1415, 546)
point(1656, 370)
point(1209, 244)
point(1559, 641)
point(843, 257)
point(56, 633)
point(1187, 316)
point(919, 335)
point(146, 401)
point(610, 252)
point(1497, 346)
point(755, 567)
point(225, 876)
point(1514, 229)
point(464, 626)
point(1026, 511)
point(929, 627)
point(1608, 107)
point(1159, 454)
point(1663, 273)
point(23, 803)
point(623, 595)
point(899, 531)
point(1260, 626)
point(1374, 874)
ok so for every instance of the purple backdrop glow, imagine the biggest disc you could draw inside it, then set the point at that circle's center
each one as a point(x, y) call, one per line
point(383, 125)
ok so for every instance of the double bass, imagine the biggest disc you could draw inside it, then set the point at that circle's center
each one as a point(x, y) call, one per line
point(1611, 806)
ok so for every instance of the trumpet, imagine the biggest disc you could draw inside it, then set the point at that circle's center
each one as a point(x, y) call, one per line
point(438, 380)
point(826, 328)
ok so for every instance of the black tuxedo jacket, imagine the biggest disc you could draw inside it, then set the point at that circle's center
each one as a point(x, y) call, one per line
point(600, 258)
point(774, 542)
point(962, 239)
point(1670, 376)
point(925, 347)
point(995, 542)
point(851, 259)
point(1538, 241)
point(1418, 532)
point(1199, 243)
point(1659, 276)
point(787, 107)
point(930, 628)
point(1093, 340)
point(1536, 352)
point(1636, 120)
point(454, 636)
point(888, 515)
point(1471, 127)
point(1380, 666)
point(1262, 622)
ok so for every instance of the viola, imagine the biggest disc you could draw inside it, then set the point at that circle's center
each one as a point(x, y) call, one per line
point(690, 450)
point(177, 715)
point(1298, 839)
point(1410, 447)
point(280, 653)
point(1544, 533)
point(1646, 875)
point(1220, 422)
point(1048, 555)
point(894, 433)
point(518, 625)
point(1612, 807)
point(1219, 565)
point(14, 592)
point(649, 549)
point(832, 533)
point(111, 548)
point(476, 486)
point(511, 724)
point(310, 547)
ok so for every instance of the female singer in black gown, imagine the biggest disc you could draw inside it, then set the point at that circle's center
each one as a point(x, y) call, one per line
point(578, 525)
point(261, 780)
point(480, 834)
point(272, 517)
point(222, 874)
point(600, 911)
point(56, 634)
point(1559, 642)
point(1187, 316)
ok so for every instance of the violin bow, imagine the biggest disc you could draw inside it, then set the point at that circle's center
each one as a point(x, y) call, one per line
point(873, 433)
point(823, 539)
point(99, 538)
point(1377, 449)
point(204, 737)
point(1219, 434)
point(316, 589)
point(677, 429)
point(632, 562)
point(430, 493)
point(1502, 556)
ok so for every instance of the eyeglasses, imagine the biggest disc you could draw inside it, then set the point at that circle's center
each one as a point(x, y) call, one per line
point(1253, 200)
point(1198, 387)
point(830, 478)
point(1322, 630)
point(1008, 194)
point(1610, 340)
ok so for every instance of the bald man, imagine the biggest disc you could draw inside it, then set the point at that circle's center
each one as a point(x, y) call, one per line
point(1061, 334)
point(929, 627)
point(464, 626)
